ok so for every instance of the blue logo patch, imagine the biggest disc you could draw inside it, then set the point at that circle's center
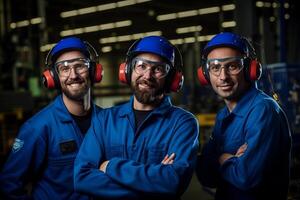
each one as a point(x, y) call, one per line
point(18, 144)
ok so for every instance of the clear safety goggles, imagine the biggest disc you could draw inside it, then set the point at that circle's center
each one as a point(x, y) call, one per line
point(231, 65)
point(157, 69)
point(80, 66)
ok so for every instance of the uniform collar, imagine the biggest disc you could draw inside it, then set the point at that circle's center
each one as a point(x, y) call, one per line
point(62, 111)
point(163, 107)
point(244, 104)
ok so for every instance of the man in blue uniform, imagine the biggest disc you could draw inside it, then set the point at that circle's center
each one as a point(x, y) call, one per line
point(248, 154)
point(145, 148)
point(43, 153)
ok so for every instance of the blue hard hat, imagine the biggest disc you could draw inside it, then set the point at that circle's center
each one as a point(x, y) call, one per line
point(157, 45)
point(68, 44)
point(226, 39)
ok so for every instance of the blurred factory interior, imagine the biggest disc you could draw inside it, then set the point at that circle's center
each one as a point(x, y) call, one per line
point(30, 28)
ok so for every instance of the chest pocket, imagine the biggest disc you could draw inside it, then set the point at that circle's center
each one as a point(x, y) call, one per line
point(114, 151)
point(63, 154)
point(156, 154)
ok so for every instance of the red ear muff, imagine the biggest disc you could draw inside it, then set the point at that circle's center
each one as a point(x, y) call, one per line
point(98, 73)
point(122, 73)
point(48, 79)
point(255, 70)
point(177, 81)
point(201, 76)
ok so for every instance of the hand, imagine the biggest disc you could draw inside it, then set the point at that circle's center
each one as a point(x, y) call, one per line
point(103, 166)
point(226, 156)
point(168, 160)
point(241, 150)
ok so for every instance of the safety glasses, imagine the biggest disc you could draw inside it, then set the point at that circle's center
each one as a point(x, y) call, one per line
point(157, 69)
point(80, 66)
point(231, 65)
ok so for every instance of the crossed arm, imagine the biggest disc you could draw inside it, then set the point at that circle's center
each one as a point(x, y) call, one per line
point(239, 152)
point(168, 160)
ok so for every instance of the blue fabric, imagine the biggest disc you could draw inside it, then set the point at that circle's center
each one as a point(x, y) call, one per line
point(41, 160)
point(262, 172)
point(135, 154)
point(69, 43)
point(154, 44)
point(226, 39)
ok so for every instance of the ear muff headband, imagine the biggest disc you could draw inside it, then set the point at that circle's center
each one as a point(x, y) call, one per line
point(253, 67)
point(176, 79)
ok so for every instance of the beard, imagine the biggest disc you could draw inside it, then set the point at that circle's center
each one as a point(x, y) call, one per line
point(149, 96)
point(76, 94)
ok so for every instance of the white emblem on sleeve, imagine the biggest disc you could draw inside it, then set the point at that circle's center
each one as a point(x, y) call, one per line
point(18, 144)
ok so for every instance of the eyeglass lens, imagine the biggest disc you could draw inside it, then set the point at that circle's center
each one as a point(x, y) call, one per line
point(232, 65)
point(158, 69)
point(80, 65)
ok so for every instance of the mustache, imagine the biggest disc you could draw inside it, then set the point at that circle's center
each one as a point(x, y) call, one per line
point(77, 79)
point(151, 83)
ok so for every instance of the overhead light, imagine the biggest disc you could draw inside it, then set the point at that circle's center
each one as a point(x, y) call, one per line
point(259, 4)
point(106, 49)
point(286, 5)
point(91, 29)
point(123, 23)
point(23, 23)
point(188, 13)
point(107, 6)
point(70, 13)
point(166, 17)
point(13, 25)
point(137, 36)
point(286, 16)
point(100, 8)
point(36, 20)
point(228, 24)
point(188, 29)
point(95, 28)
point(153, 33)
point(47, 47)
point(87, 10)
point(177, 41)
point(78, 31)
point(272, 19)
point(275, 5)
point(204, 11)
point(125, 3)
point(187, 40)
point(191, 13)
point(107, 26)
point(228, 7)
point(123, 38)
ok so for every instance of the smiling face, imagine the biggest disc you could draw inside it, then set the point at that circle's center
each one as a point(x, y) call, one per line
point(75, 85)
point(227, 86)
point(148, 87)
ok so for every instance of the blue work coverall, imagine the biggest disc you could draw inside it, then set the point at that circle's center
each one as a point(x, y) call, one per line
point(134, 170)
point(262, 172)
point(43, 154)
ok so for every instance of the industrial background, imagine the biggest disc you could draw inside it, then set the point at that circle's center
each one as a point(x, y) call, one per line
point(30, 28)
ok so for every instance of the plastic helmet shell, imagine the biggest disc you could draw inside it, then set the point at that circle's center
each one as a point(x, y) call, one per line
point(157, 45)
